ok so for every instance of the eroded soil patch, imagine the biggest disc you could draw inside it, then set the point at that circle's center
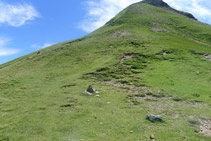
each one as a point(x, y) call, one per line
point(205, 127)
point(127, 56)
point(159, 29)
point(119, 34)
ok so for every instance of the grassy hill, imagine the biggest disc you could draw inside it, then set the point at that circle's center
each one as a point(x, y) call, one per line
point(148, 59)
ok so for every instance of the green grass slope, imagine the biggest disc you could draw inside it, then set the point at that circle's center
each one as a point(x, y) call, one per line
point(146, 60)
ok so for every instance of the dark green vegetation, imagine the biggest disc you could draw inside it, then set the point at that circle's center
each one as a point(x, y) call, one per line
point(147, 60)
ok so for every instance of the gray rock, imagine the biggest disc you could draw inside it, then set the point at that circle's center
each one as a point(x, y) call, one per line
point(208, 57)
point(90, 89)
point(154, 118)
point(152, 137)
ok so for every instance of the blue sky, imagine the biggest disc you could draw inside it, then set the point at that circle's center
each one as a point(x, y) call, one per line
point(30, 25)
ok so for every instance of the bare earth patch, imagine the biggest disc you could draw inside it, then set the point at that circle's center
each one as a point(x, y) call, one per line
point(155, 102)
point(126, 57)
point(158, 29)
point(119, 34)
point(205, 127)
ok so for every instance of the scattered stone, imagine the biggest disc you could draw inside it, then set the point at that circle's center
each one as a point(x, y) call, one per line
point(131, 132)
point(154, 118)
point(205, 127)
point(108, 102)
point(97, 95)
point(101, 123)
point(152, 137)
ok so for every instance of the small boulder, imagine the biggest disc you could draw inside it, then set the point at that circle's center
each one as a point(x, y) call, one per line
point(154, 118)
point(208, 57)
point(152, 137)
point(90, 89)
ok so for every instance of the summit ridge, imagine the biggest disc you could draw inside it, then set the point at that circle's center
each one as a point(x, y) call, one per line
point(161, 3)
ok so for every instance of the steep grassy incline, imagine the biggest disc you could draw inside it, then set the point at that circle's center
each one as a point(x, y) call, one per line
point(146, 60)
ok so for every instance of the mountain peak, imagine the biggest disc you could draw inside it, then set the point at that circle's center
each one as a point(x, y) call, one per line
point(159, 3)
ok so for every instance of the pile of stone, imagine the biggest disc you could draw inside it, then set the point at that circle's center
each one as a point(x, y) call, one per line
point(90, 90)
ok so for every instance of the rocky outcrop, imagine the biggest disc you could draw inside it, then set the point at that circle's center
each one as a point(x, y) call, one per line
point(160, 3)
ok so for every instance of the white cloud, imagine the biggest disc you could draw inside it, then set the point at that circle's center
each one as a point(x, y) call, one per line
point(47, 45)
point(16, 14)
point(101, 11)
point(199, 8)
point(41, 46)
point(5, 51)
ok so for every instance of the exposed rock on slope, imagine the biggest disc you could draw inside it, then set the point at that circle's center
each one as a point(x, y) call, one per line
point(161, 3)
